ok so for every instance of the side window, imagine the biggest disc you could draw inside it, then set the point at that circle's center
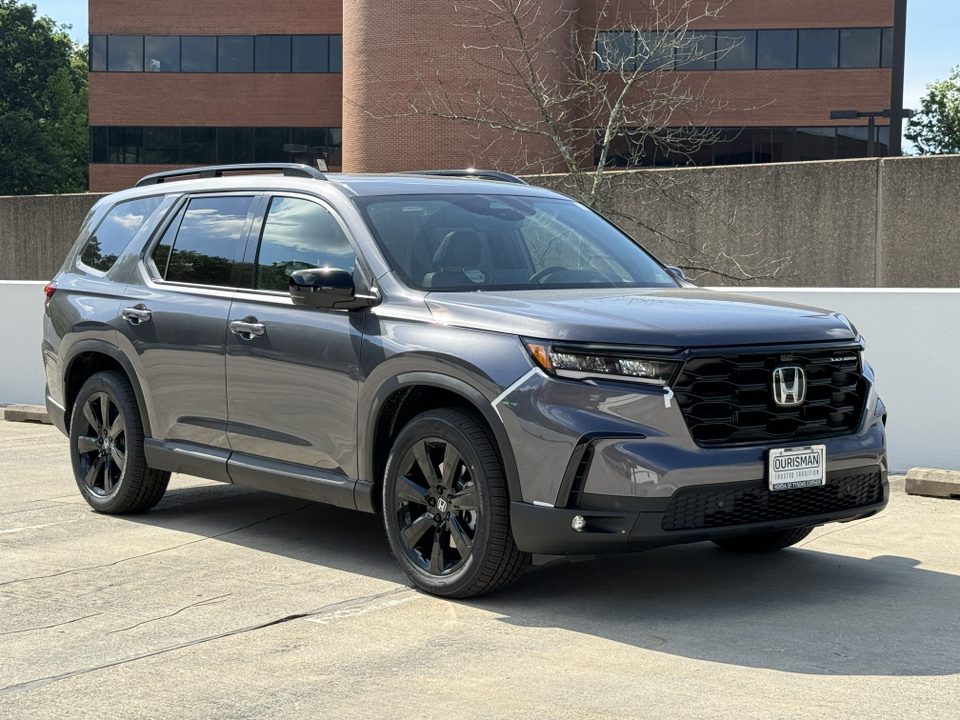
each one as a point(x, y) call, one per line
point(202, 248)
point(116, 231)
point(299, 234)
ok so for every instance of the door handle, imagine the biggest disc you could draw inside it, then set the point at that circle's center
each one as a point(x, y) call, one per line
point(248, 328)
point(137, 315)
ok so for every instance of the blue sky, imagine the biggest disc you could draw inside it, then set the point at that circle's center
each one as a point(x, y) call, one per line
point(932, 47)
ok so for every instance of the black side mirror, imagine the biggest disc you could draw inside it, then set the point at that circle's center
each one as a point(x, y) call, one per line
point(328, 288)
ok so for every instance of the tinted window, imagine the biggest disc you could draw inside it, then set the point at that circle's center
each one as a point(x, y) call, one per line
point(299, 234)
point(816, 143)
point(336, 53)
point(235, 54)
point(698, 51)
point(776, 49)
point(481, 242)
point(736, 50)
point(860, 48)
point(162, 53)
point(198, 53)
point(269, 144)
point(161, 145)
point(273, 53)
point(99, 144)
point(116, 231)
point(125, 144)
point(655, 50)
point(615, 52)
point(199, 145)
point(98, 53)
point(310, 53)
point(818, 49)
point(125, 53)
point(207, 241)
point(235, 145)
point(886, 58)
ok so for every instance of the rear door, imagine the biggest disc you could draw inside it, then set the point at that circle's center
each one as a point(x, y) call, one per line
point(293, 372)
point(176, 321)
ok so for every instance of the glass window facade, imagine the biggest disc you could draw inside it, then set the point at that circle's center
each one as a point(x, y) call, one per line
point(819, 48)
point(207, 145)
point(217, 53)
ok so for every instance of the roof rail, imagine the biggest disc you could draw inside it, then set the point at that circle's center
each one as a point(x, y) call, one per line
point(470, 172)
point(289, 169)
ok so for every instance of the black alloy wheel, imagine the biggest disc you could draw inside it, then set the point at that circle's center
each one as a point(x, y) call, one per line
point(106, 448)
point(101, 444)
point(446, 506)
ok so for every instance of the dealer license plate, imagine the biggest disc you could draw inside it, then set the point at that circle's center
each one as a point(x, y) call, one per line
point(797, 467)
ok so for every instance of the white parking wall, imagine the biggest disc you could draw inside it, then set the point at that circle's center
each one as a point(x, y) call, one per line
point(21, 364)
point(912, 335)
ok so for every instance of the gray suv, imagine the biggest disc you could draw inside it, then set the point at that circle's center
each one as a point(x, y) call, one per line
point(493, 367)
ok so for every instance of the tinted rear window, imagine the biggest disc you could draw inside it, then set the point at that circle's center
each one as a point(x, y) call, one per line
point(205, 242)
point(116, 231)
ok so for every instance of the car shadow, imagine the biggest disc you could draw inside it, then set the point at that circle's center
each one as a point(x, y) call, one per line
point(799, 611)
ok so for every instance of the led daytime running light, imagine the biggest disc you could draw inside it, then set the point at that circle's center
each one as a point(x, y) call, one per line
point(569, 363)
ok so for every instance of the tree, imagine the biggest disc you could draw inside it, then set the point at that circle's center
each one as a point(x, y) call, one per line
point(43, 105)
point(935, 130)
point(584, 102)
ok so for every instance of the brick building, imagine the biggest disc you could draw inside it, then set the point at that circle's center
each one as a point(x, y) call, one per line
point(193, 82)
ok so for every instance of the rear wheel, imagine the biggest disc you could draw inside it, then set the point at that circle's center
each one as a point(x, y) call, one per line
point(106, 448)
point(446, 506)
point(764, 542)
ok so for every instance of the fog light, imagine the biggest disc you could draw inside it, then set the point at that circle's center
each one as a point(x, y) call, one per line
point(578, 523)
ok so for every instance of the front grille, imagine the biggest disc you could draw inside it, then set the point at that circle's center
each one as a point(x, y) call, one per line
point(728, 399)
point(745, 503)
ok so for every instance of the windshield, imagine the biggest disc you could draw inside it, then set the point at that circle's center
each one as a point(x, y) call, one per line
point(455, 242)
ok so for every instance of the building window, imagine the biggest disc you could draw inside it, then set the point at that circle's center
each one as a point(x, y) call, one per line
point(125, 53)
point(615, 52)
point(208, 145)
point(161, 53)
point(860, 48)
point(217, 53)
point(886, 52)
point(273, 53)
point(776, 49)
point(698, 51)
point(310, 53)
point(819, 49)
point(235, 54)
point(199, 53)
point(736, 49)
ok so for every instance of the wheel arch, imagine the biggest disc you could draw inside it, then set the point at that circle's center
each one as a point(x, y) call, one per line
point(400, 399)
point(89, 357)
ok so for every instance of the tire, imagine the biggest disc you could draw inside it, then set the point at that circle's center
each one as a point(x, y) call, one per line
point(106, 448)
point(764, 542)
point(449, 529)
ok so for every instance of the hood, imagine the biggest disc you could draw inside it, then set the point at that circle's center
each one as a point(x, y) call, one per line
point(677, 318)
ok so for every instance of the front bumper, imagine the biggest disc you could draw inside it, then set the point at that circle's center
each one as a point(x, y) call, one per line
point(697, 513)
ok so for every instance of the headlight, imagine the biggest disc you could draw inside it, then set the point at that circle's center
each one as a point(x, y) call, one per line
point(580, 363)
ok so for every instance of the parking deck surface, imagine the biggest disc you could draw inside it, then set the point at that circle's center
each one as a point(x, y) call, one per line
point(224, 602)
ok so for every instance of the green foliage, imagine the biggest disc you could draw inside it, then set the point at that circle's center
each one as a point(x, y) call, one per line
point(43, 105)
point(935, 130)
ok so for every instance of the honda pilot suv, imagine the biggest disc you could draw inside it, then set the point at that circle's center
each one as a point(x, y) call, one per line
point(493, 367)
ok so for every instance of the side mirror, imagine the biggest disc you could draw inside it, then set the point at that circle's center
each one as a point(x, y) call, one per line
point(678, 272)
point(327, 288)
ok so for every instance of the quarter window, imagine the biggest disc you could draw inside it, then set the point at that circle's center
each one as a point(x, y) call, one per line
point(202, 248)
point(115, 232)
point(299, 234)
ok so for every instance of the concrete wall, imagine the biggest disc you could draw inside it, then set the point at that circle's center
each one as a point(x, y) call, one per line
point(847, 223)
point(906, 344)
point(36, 232)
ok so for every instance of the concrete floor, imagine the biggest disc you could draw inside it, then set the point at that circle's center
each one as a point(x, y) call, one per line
point(229, 603)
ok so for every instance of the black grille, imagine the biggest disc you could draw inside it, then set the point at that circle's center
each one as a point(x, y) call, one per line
point(728, 399)
point(745, 503)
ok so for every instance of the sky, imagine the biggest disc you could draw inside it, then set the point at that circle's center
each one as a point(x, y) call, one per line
point(932, 46)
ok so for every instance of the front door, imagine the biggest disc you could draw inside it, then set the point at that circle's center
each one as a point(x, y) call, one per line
point(293, 372)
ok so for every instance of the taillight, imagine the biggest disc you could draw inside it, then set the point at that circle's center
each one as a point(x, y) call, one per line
point(49, 290)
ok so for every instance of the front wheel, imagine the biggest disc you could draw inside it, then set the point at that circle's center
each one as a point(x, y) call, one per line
point(106, 448)
point(446, 506)
point(764, 542)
